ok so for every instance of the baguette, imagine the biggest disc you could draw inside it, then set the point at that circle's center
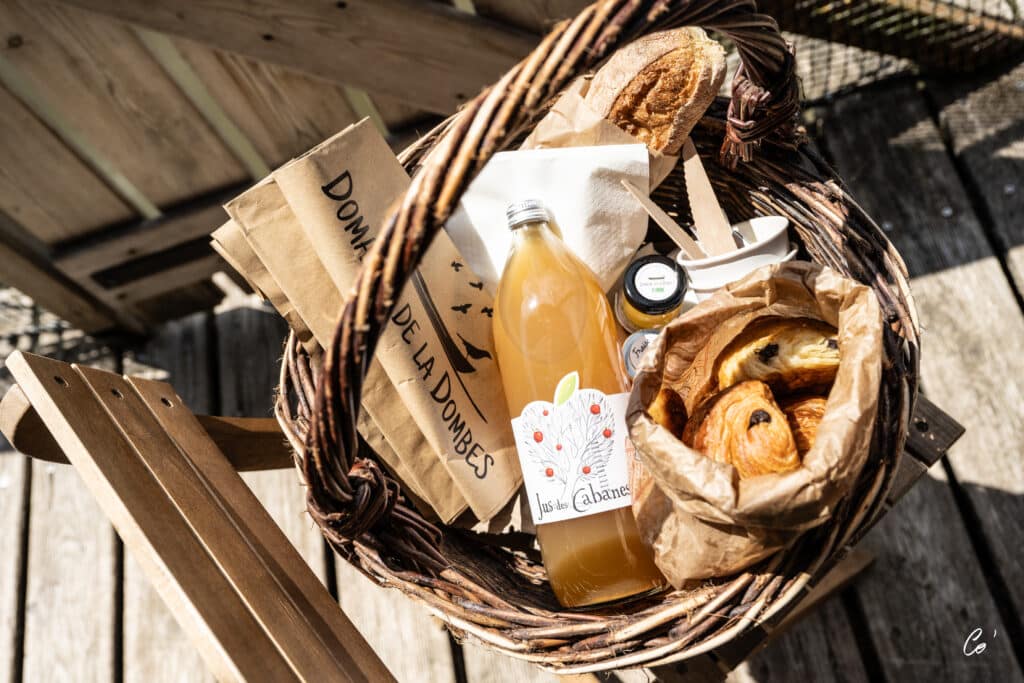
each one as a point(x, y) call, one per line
point(658, 87)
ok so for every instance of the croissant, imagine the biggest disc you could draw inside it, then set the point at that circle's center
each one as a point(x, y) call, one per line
point(788, 354)
point(804, 413)
point(744, 427)
point(668, 410)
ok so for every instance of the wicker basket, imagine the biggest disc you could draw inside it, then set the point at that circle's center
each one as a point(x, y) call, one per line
point(498, 596)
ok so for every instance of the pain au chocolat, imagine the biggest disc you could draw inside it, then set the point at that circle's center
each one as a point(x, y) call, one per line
point(787, 354)
point(743, 426)
point(804, 414)
point(669, 411)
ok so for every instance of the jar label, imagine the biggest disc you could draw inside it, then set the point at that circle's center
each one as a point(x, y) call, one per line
point(656, 281)
point(573, 453)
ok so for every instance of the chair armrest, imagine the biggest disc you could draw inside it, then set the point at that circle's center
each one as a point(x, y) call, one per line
point(250, 443)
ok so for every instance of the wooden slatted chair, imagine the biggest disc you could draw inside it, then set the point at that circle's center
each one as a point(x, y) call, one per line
point(247, 599)
point(168, 481)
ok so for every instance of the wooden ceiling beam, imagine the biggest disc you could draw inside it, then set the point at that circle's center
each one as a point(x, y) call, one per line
point(424, 53)
point(170, 279)
point(112, 246)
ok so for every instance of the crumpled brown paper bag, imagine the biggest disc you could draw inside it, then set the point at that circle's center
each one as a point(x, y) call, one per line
point(700, 519)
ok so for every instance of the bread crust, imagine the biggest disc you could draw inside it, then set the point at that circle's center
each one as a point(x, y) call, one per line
point(658, 87)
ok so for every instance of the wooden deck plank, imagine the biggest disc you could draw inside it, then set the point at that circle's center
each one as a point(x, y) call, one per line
point(536, 16)
point(926, 591)
point(29, 270)
point(95, 71)
point(397, 113)
point(249, 341)
point(119, 245)
point(827, 68)
point(13, 517)
point(71, 584)
point(985, 125)
point(167, 281)
point(486, 666)
point(199, 296)
point(178, 354)
point(283, 112)
point(820, 647)
point(413, 645)
point(36, 163)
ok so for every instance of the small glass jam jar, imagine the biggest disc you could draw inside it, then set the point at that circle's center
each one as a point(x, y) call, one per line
point(633, 349)
point(651, 294)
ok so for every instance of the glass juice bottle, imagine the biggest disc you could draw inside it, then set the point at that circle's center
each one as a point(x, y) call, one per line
point(555, 339)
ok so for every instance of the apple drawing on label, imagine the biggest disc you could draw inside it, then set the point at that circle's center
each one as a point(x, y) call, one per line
point(572, 452)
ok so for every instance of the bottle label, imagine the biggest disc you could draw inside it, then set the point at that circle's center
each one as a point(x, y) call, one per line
point(573, 453)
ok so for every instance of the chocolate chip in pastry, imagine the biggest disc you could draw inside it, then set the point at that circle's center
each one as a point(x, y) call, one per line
point(804, 413)
point(789, 354)
point(743, 426)
point(669, 411)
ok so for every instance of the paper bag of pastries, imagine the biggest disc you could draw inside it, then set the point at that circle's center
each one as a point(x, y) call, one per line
point(699, 515)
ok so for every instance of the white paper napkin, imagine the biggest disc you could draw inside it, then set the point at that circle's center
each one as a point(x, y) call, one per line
point(582, 189)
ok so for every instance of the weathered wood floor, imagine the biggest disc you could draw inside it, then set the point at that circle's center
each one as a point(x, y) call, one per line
point(941, 167)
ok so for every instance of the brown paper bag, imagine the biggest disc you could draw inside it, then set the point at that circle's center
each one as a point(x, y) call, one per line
point(573, 123)
point(438, 350)
point(229, 241)
point(395, 437)
point(282, 245)
point(699, 518)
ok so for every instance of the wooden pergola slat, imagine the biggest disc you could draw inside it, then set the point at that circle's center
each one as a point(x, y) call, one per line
point(444, 58)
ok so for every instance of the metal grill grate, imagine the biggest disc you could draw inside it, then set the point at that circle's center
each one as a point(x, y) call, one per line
point(20, 317)
point(843, 44)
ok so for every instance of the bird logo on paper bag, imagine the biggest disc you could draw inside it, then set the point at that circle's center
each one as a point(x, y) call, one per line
point(474, 454)
point(341, 189)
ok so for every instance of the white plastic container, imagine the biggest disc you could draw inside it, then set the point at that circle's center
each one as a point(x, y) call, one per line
point(772, 245)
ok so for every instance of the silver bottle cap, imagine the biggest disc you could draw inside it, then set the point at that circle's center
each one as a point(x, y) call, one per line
point(526, 211)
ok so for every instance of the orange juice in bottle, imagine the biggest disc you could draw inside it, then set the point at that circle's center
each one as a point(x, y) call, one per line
point(556, 344)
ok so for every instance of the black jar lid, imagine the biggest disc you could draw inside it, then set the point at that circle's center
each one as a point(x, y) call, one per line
point(654, 284)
